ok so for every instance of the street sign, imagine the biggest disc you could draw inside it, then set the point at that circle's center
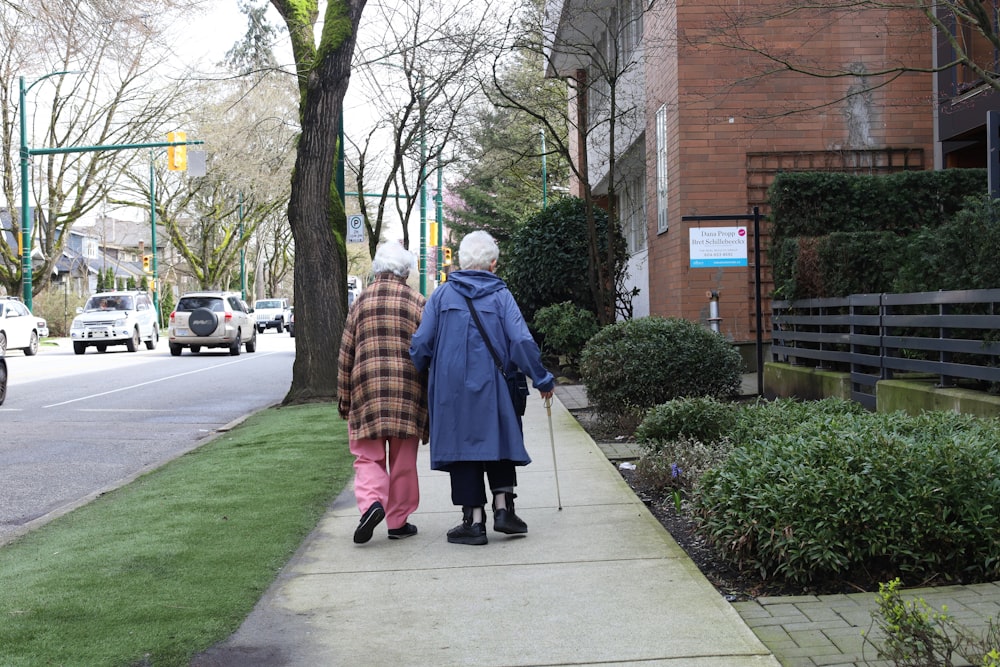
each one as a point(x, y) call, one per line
point(718, 246)
point(355, 228)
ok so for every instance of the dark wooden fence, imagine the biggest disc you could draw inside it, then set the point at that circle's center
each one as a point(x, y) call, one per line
point(953, 335)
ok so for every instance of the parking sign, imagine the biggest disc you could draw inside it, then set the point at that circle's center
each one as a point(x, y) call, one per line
point(355, 228)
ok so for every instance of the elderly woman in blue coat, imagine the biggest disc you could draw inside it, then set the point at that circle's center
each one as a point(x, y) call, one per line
point(474, 428)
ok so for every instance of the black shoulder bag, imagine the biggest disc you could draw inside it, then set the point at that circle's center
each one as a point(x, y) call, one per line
point(517, 382)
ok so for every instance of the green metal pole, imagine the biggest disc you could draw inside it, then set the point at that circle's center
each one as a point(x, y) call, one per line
point(439, 198)
point(545, 177)
point(243, 256)
point(423, 196)
point(152, 235)
point(25, 214)
point(25, 154)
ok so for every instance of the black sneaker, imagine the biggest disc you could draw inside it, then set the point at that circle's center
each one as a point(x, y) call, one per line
point(406, 530)
point(372, 517)
point(505, 521)
point(468, 533)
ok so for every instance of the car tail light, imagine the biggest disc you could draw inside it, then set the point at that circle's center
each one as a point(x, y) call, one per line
point(229, 316)
point(172, 315)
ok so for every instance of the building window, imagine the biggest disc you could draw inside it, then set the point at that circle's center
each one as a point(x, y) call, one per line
point(633, 214)
point(977, 49)
point(661, 170)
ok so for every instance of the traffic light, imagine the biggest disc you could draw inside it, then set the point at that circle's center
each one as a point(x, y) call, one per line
point(177, 155)
point(442, 277)
point(146, 263)
point(447, 256)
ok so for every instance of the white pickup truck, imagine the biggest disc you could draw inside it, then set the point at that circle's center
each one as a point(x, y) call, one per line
point(272, 313)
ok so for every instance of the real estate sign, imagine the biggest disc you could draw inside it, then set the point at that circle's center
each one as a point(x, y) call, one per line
point(718, 246)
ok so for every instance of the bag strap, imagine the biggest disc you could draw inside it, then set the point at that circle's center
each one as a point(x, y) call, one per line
point(482, 332)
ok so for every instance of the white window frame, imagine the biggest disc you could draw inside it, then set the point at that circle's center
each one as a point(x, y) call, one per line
point(662, 223)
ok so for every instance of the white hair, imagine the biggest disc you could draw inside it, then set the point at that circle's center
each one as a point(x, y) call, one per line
point(478, 251)
point(392, 257)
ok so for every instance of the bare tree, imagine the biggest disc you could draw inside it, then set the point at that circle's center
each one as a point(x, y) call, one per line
point(98, 83)
point(422, 72)
point(604, 111)
point(249, 132)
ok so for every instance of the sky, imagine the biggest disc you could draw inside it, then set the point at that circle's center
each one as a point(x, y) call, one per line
point(209, 36)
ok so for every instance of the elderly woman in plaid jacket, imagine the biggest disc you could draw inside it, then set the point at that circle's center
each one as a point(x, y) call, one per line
point(382, 396)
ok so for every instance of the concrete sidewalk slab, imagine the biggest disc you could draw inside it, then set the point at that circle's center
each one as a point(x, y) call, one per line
point(598, 582)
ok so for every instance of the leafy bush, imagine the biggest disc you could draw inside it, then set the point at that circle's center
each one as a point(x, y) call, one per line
point(828, 494)
point(943, 258)
point(547, 260)
point(698, 417)
point(834, 234)
point(679, 463)
point(628, 367)
point(566, 328)
point(763, 418)
point(913, 634)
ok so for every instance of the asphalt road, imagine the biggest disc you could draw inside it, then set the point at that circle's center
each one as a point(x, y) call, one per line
point(74, 426)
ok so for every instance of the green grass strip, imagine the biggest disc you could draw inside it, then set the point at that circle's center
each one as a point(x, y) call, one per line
point(161, 569)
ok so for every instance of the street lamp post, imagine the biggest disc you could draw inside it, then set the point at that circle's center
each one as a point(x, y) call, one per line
point(25, 154)
point(152, 234)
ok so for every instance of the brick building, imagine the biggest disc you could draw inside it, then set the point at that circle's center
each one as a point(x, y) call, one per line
point(711, 101)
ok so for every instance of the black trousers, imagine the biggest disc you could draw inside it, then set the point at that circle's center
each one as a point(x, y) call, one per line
point(467, 488)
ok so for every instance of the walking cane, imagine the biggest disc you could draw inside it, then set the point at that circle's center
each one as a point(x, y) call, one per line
point(552, 439)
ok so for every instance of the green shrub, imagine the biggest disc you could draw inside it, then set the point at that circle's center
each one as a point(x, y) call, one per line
point(960, 254)
point(761, 419)
point(698, 417)
point(830, 494)
point(912, 633)
point(630, 366)
point(547, 260)
point(566, 328)
point(678, 464)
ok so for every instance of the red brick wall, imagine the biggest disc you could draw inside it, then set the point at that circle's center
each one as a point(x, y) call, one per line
point(721, 106)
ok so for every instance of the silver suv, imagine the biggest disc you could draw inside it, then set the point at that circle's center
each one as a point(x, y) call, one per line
point(212, 319)
point(115, 318)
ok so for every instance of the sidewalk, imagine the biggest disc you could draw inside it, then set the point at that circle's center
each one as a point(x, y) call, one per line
point(597, 582)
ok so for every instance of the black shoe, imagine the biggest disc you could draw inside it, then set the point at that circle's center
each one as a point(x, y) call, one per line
point(404, 531)
point(468, 532)
point(372, 517)
point(505, 521)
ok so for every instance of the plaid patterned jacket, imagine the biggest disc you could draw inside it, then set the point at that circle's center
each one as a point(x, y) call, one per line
point(379, 390)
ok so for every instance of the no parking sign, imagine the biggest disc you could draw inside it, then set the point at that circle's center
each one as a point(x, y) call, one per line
point(355, 228)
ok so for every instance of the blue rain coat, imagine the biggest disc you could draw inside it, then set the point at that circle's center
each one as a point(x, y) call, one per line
point(472, 417)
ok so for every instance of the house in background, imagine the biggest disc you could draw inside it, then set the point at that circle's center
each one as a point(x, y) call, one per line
point(702, 125)
point(98, 245)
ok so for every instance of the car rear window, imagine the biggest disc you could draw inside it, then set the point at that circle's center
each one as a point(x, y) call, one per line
point(190, 303)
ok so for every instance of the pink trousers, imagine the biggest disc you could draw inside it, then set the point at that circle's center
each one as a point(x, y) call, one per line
point(395, 485)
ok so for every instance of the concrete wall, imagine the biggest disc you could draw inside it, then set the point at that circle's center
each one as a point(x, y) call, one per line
point(910, 396)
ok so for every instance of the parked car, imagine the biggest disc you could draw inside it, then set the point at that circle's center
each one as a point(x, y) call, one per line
point(291, 324)
point(115, 318)
point(212, 319)
point(19, 329)
point(353, 289)
point(3, 380)
point(272, 313)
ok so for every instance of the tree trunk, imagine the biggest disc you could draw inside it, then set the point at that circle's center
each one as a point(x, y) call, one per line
point(316, 212)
